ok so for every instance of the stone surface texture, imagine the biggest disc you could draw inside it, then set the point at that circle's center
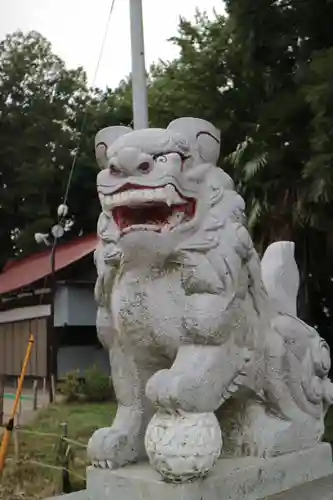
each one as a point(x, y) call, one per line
point(194, 323)
point(198, 442)
point(303, 475)
point(77, 495)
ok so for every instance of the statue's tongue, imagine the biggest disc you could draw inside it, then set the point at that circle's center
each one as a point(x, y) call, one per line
point(127, 217)
point(153, 216)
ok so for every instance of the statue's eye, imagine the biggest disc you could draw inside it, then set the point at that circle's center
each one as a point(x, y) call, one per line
point(184, 157)
point(114, 170)
point(161, 158)
point(144, 167)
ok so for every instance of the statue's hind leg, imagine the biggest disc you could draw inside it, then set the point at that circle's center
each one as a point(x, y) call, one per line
point(123, 442)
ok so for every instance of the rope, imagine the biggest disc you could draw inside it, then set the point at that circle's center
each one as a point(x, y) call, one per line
point(53, 435)
point(47, 466)
point(75, 443)
point(71, 172)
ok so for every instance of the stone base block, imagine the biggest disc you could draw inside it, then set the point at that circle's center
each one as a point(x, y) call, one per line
point(303, 475)
point(78, 495)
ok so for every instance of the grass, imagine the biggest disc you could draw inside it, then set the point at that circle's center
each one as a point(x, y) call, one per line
point(27, 481)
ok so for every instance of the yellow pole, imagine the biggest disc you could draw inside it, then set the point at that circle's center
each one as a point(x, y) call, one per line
point(7, 434)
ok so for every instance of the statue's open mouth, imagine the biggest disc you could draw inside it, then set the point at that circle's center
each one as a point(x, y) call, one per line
point(149, 209)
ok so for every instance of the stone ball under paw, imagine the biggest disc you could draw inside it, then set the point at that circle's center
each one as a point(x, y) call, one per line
point(183, 446)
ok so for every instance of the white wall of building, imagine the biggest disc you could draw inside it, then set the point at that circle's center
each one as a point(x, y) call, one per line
point(80, 358)
point(74, 306)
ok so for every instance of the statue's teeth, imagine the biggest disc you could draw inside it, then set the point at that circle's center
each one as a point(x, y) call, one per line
point(108, 201)
point(171, 196)
point(148, 194)
point(166, 194)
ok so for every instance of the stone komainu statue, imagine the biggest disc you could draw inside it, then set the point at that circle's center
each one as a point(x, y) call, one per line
point(196, 327)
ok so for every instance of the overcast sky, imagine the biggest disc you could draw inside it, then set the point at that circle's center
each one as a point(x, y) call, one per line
point(76, 28)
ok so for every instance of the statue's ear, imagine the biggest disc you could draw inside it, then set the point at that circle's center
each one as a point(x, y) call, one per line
point(200, 134)
point(280, 275)
point(104, 138)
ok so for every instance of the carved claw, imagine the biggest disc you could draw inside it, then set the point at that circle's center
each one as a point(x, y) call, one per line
point(103, 464)
point(233, 387)
point(110, 448)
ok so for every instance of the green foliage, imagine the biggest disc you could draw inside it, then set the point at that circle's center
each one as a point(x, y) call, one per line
point(93, 386)
point(38, 101)
point(262, 73)
point(21, 480)
point(44, 108)
point(282, 55)
point(71, 387)
point(96, 387)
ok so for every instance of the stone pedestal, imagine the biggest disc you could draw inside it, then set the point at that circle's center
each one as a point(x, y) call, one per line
point(303, 475)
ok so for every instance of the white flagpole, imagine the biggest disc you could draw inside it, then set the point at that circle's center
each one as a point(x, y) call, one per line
point(139, 77)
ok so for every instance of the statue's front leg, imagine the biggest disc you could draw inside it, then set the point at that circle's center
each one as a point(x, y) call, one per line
point(212, 357)
point(184, 439)
point(123, 442)
point(200, 379)
point(188, 384)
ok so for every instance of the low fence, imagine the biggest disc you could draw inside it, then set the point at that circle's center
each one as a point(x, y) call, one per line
point(64, 449)
point(33, 398)
point(64, 457)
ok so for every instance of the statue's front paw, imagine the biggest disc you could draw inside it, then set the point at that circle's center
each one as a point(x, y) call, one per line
point(172, 390)
point(112, 448)
point(162, 389)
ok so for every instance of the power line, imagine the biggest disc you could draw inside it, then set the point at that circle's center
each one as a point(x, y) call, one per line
point(71, 172)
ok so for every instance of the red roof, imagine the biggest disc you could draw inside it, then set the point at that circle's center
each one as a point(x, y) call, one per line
point(35, 267)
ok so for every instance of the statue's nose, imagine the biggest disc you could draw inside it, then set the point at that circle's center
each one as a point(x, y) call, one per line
point(134, 162)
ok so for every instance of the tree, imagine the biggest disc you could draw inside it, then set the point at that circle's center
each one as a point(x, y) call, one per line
point(281, 56)
point(38, 102)
point(262, 74)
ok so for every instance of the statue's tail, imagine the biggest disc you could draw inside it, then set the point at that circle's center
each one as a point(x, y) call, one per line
point(280, 276)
